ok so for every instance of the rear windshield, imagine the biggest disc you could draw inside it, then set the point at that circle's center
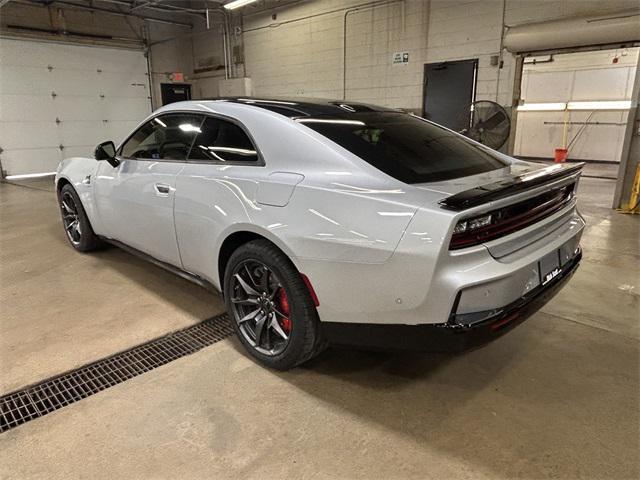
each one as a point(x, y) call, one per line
point(405, 147)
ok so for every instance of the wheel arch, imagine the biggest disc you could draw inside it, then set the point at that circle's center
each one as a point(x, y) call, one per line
point(242, 235)
point(62, 181)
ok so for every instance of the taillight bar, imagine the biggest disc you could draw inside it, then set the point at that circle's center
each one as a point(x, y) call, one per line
point(503, 221)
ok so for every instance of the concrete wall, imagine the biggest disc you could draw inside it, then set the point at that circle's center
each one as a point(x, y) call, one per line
point(208, 59)
point(305, 57)
point(171, 51)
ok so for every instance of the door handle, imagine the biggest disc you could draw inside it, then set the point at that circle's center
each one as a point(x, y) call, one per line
point(162, 189)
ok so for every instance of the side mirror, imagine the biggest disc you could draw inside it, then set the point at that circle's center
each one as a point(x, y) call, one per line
point(106, 151)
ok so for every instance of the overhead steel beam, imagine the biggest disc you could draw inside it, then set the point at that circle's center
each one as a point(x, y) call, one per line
point(156, 6)
point(140, 5)
point(79, 6)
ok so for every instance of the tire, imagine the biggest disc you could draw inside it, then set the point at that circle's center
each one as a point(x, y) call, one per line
point(298, 314)
point(75, 221)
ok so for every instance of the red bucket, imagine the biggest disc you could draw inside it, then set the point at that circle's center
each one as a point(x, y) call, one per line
point(561, 155)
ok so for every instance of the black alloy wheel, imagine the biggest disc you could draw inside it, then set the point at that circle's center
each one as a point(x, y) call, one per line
point(270, 306)
point(75, 221)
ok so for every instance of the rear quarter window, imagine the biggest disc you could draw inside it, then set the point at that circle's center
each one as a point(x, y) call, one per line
point(405, 147)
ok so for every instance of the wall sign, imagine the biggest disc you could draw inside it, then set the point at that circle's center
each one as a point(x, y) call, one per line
point(400, 58)
point(177, 77)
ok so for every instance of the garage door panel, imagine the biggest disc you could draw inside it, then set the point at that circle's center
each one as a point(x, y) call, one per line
point(22, 52)
point(87, 134)
point(117, 84)
point(75, 82)
point(19, 52)
point(24, 80)
point(588, 84)
point(27, 108)
point(80, 151)
point(36, 135)
point(536, 86)
point(538, 134)
point(122, 61)
point(81, 109)
point(37, 160)
point(101, 93)
point(125, 109)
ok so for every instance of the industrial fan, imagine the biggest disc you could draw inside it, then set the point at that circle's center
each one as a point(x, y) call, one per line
point(489, 124)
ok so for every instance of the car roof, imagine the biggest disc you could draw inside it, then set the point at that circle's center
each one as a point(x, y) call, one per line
point(305, 107)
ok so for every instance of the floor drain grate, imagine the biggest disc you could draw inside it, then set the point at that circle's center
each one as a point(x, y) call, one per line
point(37, 400)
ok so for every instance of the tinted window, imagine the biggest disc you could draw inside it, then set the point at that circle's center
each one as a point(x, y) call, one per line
point(405, 147)
point(222, 141)
point(165, 137)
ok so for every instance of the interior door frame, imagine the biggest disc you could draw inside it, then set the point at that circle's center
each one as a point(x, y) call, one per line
point(449, 62)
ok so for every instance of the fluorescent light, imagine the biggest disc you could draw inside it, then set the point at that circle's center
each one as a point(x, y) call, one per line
point(596, 105)
point(29, 175)
point(541, 107)
point(237, 4)
point(160, 122)
point(601, 105)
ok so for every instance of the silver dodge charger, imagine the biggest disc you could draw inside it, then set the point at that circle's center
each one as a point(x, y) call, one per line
point(330, 222)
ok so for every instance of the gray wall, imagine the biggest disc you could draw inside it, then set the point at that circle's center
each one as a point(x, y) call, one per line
point(287, 56)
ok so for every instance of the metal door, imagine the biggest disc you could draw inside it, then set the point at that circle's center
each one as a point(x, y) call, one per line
point(449, 91)
point(175, 92)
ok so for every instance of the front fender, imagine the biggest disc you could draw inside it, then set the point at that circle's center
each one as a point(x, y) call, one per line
point(80, 172)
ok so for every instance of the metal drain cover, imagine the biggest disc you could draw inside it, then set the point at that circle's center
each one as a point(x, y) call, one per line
point(37, 400)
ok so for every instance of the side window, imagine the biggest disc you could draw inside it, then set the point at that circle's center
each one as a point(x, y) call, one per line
point(167, 137)
point(222, 141)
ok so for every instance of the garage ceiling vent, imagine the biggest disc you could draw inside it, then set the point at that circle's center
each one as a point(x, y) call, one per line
point(45, 397)
point(574, 32)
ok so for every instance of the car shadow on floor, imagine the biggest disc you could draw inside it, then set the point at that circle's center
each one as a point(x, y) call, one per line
point(185, 295)
point(505, 408)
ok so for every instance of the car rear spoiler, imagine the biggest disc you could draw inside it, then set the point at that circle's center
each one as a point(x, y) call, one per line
point(505, 188)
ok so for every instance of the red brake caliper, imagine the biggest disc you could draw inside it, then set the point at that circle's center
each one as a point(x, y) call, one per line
point(283, 306)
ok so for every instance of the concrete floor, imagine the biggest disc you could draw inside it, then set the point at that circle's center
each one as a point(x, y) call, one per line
point(70, 308)
point(558, 397)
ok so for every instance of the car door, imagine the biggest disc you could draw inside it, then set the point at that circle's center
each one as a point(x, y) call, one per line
point(135, 200)
point(215, 190)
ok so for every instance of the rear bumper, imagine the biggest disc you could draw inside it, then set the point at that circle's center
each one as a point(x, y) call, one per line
point(449, 336)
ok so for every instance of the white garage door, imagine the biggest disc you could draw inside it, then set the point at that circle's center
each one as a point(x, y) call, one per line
point(59, 100)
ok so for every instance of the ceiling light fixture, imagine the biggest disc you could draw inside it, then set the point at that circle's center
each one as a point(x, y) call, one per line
point(237, 4)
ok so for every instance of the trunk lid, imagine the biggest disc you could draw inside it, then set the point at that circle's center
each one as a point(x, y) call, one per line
point(513, 218)
point(467, 192)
